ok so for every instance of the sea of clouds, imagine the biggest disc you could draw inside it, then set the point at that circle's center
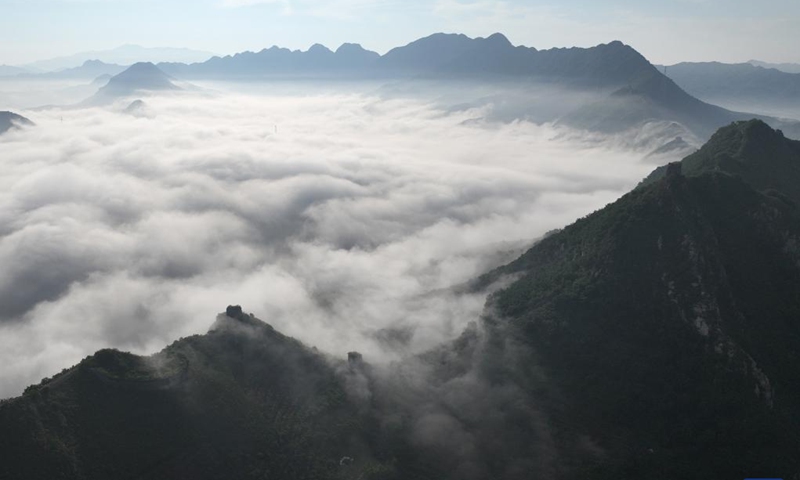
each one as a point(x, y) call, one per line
point(335, 217)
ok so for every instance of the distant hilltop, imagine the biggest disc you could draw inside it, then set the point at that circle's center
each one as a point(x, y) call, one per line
point(139, 78)
point(9, 120)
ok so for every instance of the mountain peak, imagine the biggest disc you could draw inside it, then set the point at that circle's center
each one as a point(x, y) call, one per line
point(751, 149)
point(142, 76)
point(437, 51)
point(439, 35)
point(754, 129)
point(234, 311)
point(746, 141)
point(499, 39)
point(94, 63)
point(439, 40)
point(319, 49)
point(350, 48)
point(144, 67)
point(616, 47)
point(234, 319)
point(9, 120)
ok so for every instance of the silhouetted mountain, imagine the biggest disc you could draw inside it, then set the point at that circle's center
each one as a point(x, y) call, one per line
point(137, 79)
point(241, 401)
point(668, 322)
point(742, 83)
point(278, 61)
point(613, 64)
point(651, 97)
point(629, 92)
point(141, 76)
point(9, 120)
point(430, 53)
point(355, 55)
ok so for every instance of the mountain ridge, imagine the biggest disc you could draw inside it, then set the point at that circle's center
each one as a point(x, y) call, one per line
point(787, 67)
point(744, 82)
point(639, 308)
point(178, 393)
point(609, 88)
point(763, 157)
point(630, 90)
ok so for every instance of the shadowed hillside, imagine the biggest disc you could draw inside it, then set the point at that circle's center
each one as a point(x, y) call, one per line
point(669, 321)
point(243, 400)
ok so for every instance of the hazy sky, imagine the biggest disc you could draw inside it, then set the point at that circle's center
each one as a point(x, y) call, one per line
point(665, 31)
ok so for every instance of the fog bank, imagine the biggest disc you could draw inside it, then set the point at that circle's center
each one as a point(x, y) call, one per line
point(344, 220)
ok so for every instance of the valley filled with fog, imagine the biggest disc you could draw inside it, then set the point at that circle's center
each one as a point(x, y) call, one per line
point(354, 240)
point(345, 217)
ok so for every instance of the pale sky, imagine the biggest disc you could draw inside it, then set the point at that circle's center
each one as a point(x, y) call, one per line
point(665, 31)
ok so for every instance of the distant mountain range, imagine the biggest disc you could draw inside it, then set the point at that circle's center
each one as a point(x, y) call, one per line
point(123, 55)
point(278, 61)
point(10, 71)
point(9, 120)
point(629, 91)
point(90, 69)
point(655, 338)
point(436, 56)
point(610, 88)
point(784, 67)
point(741, 83)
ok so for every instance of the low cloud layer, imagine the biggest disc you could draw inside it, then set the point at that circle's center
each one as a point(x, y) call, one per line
point(342, 219)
